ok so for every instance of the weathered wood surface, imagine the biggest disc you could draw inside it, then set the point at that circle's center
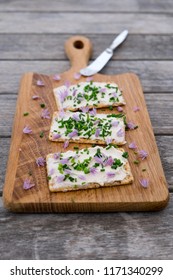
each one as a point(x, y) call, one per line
point(87, 236)
point(34, 46)
point(100, 23)
point(87, 5)
point(156, 76)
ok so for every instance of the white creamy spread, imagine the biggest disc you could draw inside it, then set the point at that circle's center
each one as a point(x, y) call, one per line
point(66, 169)
point(88, 94)
point(110, 127)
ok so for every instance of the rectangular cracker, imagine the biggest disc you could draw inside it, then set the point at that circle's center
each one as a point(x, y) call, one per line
point(88, 168)
point(88, 94)
point(82, 127)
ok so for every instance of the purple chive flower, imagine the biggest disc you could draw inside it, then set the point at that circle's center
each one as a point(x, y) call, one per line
point(74, 92)
point(110, 174)
point(103, 90)
point(136, 109)
point(73, 133)
point(131, 125)
point(120, 132)
point(56, 136)
point(56, 77)
point(96, 122)
point(132, 146)
point(77, 76)
point(66, 143)
point(93, 170)
point(119, 109)
point(67, 171)
point(85, 109)
point(89, 79)
point(45, 114)
point(40, 83)
point(144, 182)
point(35, 97)
point(97, 133)
point(93, 112)
point(76, 117)
point(60, 178)
point(67, 84)
point(108, 141)
point(109, 161)
point(142, 154)
point(98, 160)
point(62, 114)
point(40, 161)
point(63, 95)
point(64, 161)
point(115, 123)
point(27, 184)
point(27, 130)
point(115, 94)
point(51, 172)
point(56, 156)
point(81, 177)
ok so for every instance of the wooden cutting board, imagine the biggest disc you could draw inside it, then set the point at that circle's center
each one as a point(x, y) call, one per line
point(26, 148)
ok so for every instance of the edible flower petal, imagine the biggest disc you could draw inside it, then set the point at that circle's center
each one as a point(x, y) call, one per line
point(98, 160)
point(66, 143)
point(40, 161)
point(144, 182)
point(132, 146)
point(73, 133)
point(108, 141)
point(89, 79)
point(62, 114)
point(27, 130)
point(115, 123)
point(56, 155)
point(93, 112)
point(119, 109)
point(109, 161)
point(45, 114)
point(77, 76)
point(67, 171)
point(84, 109)
point(35, 97)
point(63, 95)
point(136, 109)
point(97, 133)
point(76, 117)
point(82, 177)
point(27, 184)
point(56, 77)
point(120, 132)
point(56, 136)
point(40, 83)
point(110, 174)
point(60, 178)
point(52, 171)
point(142, 154)
point(131, 125)
point(74, 92)
point(64, 160)
point(67, 84)
point(93, 170)
point(103, 90)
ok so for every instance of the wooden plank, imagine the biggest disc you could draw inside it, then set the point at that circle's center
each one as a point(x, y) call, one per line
point(23, 47)
point(156, 76)
point(86, 6)
point(82, 23)
point(22, 163)
point(118, 235)
point(165, 146)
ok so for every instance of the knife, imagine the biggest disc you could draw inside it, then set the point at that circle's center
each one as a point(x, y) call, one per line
point(104, 57)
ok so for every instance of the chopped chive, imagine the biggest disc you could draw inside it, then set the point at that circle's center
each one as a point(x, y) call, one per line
point(136, 161)
point(42, 105)
point(111, 108)
point(41, 134)
point(25, 114)
point(49, 178)
point(75, 148)
point(144, 169)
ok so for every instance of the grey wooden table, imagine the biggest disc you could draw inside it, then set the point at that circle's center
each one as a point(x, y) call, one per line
point(32, 35)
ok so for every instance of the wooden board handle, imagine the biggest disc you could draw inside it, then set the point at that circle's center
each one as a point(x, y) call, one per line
point(78, 50)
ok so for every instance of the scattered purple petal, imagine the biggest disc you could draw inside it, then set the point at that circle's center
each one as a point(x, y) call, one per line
point(66, 143)
point(115, 123)
point(108, 141)
point(73, 133)
point(120, 132)
point(119, 109)
point(60, 178)
point(109, 162)
point(52, 171)
point(64, 161)
point(82, 177)
point(62, 114)
point(144, 182)
point(27, 184)
point(142, 154)
point(97, 133)
point(98, 160)
point(131, 125)
point(110, 174)
point(76, 117)
point(89, 79)
point(96, 122)
point(115, 94)
point(67, 171)
point(77, 76)
point(93, 170)
point(40, 161)
point(74, 92)
point(35, 97)
point(56, 156)
point(136, 109)
point(63, 95)
point(40, 83)
point(56, 136)
point(45, 114)
point(27, 130)
point(132, 146)
point(85, 109)
point(67, 84)
point(103, 90)
point(93, 112)
point(56, 77)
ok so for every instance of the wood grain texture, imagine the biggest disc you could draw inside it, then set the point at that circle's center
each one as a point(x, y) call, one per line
point(85, 6)
point(87, 236)
point(59, 22)
point(23, 47)
point(155, 76)
point(21, 163)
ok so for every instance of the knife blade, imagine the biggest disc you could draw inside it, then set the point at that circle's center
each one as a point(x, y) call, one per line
point(104, 57)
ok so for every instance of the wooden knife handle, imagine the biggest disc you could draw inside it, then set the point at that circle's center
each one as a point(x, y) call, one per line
point(78, 49)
